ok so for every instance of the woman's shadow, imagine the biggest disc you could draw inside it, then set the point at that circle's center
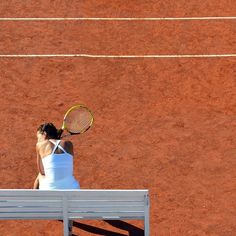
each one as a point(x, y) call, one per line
point(131, 230)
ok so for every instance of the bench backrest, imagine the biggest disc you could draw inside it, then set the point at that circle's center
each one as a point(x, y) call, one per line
point(73, 204)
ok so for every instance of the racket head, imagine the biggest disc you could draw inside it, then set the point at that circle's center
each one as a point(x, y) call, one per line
point(78, 119)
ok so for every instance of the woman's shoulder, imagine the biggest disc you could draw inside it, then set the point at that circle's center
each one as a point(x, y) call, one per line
point(42, 144)
point(65, 141)
point(43, 148)
point(67, 145)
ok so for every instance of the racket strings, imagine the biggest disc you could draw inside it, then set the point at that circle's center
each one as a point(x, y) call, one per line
point(78, 120)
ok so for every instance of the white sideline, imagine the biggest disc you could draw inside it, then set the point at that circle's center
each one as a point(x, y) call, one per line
point(117, 56)
point(75, 204)
point(117, 18)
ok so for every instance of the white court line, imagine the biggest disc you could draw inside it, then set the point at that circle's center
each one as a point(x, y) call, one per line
point(117, 56)
point(123, 19)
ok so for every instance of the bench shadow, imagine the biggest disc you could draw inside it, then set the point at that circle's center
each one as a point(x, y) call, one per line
point(132, 230)
point(95, 230)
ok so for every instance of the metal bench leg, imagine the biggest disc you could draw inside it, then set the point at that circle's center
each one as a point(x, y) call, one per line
point(66, 227)
point(146, 228)
point(146, 217)
point(65, 216)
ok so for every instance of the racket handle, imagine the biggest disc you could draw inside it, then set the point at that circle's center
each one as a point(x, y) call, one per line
point(59, 133)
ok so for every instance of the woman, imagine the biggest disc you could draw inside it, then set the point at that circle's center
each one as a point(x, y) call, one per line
point(54, 161)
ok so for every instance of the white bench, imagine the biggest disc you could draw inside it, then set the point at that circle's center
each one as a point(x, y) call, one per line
point(75, 204)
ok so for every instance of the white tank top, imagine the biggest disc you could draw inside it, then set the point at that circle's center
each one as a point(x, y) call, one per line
point(58, 169)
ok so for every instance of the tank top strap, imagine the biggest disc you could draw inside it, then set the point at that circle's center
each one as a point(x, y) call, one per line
point(57, 145)
point(61, 147)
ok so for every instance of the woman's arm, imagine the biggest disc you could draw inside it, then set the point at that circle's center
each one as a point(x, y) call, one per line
point(40, 169)
point(39, 161)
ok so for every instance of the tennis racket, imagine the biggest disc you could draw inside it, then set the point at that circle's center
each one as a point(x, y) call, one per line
point(77, 120)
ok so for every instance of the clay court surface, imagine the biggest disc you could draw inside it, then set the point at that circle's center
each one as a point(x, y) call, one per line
point(163, 124)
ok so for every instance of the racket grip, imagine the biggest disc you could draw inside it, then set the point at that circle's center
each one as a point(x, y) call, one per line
point(59, 133)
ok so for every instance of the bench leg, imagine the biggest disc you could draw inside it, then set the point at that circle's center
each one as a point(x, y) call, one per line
point(146, 229)
point(66, 227)
point(146, 217)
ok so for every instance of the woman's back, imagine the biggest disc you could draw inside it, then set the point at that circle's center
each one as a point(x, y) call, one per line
point(47, 146)
point(58, 165)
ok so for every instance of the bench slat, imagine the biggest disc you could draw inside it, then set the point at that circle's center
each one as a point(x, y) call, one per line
point(81, 199)
point(104, 203)
point(107, 208)
point(30, 209)
point(31, 215)
point(31, 203)
point(29, 197)
point(74, 192)
point(105, 214)
point(71, 204)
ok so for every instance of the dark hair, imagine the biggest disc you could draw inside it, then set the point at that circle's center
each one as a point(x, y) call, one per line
point(50, 130)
